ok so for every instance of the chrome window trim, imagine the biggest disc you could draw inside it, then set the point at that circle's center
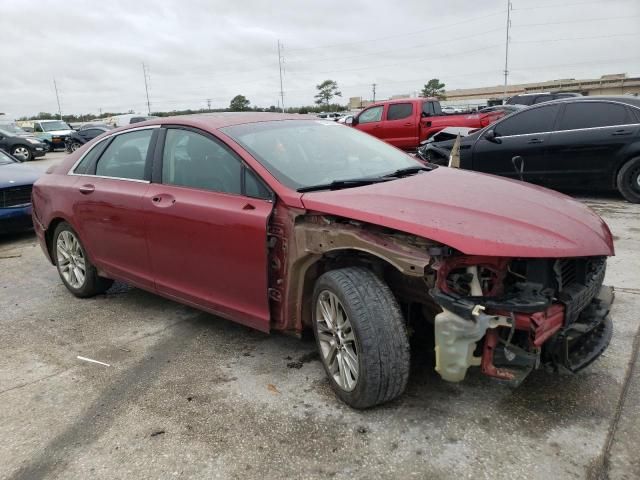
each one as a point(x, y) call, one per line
point(73, 167)
point(110, 178)
point(571, 130)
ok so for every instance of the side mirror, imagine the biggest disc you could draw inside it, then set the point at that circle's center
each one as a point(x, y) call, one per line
point(491, 136)
point(349, 121)
point(425, 114)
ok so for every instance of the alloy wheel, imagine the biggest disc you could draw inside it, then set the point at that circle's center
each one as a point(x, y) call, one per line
point(71, 259)
point(337, 341)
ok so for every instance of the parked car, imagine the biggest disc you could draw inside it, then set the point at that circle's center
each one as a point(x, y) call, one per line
point(406, 122)
point(540, 97)
point(52, 132)
point(22, 145)
point(507, 109)
point(451, 110)
point(16, 182)
point(127, 119)
point(286, 223)
point(587, 143)
point(84, 135)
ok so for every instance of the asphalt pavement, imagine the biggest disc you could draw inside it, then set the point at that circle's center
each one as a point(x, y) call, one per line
point(185, 394)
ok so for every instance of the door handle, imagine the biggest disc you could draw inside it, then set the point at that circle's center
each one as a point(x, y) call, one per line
point(163, 200)
point(621, 132)
point(534, 140)
point(248, 206)
point(86, 189)
point(408, 124)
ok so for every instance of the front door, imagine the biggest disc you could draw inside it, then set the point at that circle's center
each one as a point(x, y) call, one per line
point(400, 127)
point(207, 237)
point(370, 121)
point(520, 145)
point(109, 209)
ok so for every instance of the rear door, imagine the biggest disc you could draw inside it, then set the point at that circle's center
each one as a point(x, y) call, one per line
point(370, 121)
point(108, 204)
point(207, 229)
point(524, 134)
point(586, 148)
point(400, 127)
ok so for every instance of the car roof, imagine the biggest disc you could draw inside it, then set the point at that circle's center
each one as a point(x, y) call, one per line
point(218, 120)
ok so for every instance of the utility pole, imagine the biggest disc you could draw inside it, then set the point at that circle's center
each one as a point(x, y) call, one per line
point(146, 87)
point(280, 60)
point(373, 86)
point(506, 50)
point(208, 104)
point(55, 87)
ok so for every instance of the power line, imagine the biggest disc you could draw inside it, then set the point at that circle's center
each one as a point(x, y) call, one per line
point(577, 21)
point(578, 38)
point(556, 5)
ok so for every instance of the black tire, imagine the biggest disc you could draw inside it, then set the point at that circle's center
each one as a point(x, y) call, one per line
point(381, 338)
point(17, 150)
point(93, 284)
point(628, 180)
point(74, 146)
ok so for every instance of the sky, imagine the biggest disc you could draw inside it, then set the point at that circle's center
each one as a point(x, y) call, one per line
point(207, 50)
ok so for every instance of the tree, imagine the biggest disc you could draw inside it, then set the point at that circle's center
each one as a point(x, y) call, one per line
point(239, 103)
point(434, 88)
point(326, 91)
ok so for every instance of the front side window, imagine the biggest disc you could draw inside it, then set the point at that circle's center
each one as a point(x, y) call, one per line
point(398, 111)
point(125, 157)
point(195, 161)
point(371, 115)
point(37, 128)
point(592, 114)
point(534, 120)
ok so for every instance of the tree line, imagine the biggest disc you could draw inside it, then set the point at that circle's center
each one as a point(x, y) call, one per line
point(327, 91)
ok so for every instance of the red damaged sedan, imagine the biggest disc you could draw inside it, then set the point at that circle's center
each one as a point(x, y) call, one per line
point(283, 222)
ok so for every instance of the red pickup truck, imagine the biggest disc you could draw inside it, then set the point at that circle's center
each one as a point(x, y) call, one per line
point(407, 122)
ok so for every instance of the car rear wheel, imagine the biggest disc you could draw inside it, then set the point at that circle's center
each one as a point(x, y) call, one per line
point(22, 153)
point(75, 146)
point(76, 271)
point(361, 337)
point(628, 180)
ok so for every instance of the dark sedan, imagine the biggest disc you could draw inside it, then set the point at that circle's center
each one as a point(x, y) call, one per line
point(586, 143)
point(16, 183)
point(84, 135)
point(22, 145)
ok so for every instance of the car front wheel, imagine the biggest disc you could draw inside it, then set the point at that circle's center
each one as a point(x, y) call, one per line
point(22, 153)
point(75, 146)
point(76, 271)
point(628, 181)
point(361, 337)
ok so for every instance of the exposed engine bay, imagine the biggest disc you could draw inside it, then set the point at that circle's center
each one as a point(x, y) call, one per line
point(507, 316)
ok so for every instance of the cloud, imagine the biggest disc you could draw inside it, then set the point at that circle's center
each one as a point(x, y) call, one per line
point(197, 49)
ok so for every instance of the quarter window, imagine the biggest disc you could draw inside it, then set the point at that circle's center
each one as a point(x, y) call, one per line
point(398, 111)
point(534, 120)
point(195, 161)
point(125, 156)
point(592, 114)
point(373, 114)
point(88, 160)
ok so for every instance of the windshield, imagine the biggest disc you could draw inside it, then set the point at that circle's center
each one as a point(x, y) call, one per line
point(57, 125)
point(303, 153)
point(12, 128)
point(5, 159)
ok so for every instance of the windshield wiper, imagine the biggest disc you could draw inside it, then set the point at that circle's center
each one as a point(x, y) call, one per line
point(350, 182)
point(403, 172)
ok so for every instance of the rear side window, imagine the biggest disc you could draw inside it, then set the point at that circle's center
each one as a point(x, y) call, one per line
point(125, 156)
point(371, 115)
point(593, 114)
point(534, 120)
point(195, 161)
point(398, 111)
point(543, 98)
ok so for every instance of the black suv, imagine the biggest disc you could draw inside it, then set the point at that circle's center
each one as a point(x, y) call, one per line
point(586, 143)
point(533, 98)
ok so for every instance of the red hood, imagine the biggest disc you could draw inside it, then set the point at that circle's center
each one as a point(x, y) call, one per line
point(475, 213)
